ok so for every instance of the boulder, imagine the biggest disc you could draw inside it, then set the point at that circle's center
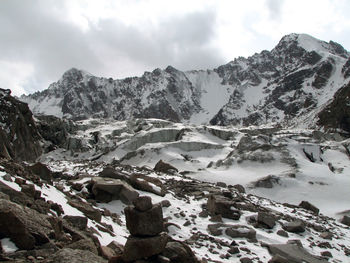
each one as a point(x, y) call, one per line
point(345, 220)
point(107, 252)
point(107, 189)
point(25, 226)
point(164, 167)
point(110, 172)
point(293, 253)
point(266, 220)
point(224, 206)
point(86, 209)
point(84, 244)
point(147, 223)
point(179, 252)
point(241, 231)
point(79, 222)
point(306, 205)
point(139, 248)
point(147, 184)
point(296, 226)
point(42, 171)
point(76, 256)
point(143, 203)
point(267, 182)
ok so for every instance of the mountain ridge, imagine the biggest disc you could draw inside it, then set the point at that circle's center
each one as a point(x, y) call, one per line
point(287, 85)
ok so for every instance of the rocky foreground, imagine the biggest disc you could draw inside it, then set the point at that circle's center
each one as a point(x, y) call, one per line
point(120, 213)
point(98, 195)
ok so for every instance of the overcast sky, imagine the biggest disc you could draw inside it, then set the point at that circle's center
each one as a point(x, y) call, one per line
point(41, 39)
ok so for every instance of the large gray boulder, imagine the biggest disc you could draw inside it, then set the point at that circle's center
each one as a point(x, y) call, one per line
point(108, 189)
point(139, 248)
point(294, 253)
point(296, 226)
point(26, 227)
point(147, 223)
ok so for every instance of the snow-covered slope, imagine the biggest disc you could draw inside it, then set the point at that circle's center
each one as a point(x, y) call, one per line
point(271, 162)
point(289, 85)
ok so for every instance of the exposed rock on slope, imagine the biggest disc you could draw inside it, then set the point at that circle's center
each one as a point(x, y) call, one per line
point(19, 137)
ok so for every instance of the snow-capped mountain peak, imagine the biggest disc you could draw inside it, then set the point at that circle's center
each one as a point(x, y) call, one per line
point(288, 85)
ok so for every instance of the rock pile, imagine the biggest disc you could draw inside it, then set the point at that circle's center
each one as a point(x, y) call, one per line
point(147, 241)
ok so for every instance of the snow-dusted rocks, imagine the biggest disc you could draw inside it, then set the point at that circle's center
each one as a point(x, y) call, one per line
point(289, 85)
point(221, 205)
point(108, 189)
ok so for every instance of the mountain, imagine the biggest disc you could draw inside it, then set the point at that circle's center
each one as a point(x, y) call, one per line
point(155, 191)
point(288, 85)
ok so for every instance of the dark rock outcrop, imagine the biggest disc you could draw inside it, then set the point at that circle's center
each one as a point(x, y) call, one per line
point(19, 137)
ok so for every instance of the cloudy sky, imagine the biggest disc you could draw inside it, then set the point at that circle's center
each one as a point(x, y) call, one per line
point(41, 39)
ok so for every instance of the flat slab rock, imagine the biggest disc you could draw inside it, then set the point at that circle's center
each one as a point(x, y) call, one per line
point(294, 253)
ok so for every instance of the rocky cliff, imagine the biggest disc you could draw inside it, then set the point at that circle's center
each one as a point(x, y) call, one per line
point(288, 85)
point(19, 137)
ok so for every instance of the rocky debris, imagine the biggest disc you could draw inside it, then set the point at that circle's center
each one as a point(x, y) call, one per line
point(84, 244)
point(267, 182)
point(26, 227)
point(76, 256)
point(146, 183)
point(306, 205)
point(108, 189)
point(234, 231)
point(217, 204)
point(296, 226)
point(293, 253)
point(345, 220)
point(164, 167)
point(86, 209)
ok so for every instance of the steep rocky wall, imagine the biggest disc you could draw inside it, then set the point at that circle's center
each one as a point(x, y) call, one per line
point(19, 137)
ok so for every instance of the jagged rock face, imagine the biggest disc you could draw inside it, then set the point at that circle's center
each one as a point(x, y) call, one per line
point(287, 85)
point(159, 94)
point(337, 114)
point(19, 137)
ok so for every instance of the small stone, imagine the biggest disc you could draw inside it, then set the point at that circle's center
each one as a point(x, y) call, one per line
point(8, 178)
point(203, 214)
point(282, 233)
point(326, 254)
point(326, 235)
point(143, 203)
point(187, 223)
point(165, 203)
point(233, 250)
point(246, 260)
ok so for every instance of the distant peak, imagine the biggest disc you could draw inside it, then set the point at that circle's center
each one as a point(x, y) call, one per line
point(310, 43)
